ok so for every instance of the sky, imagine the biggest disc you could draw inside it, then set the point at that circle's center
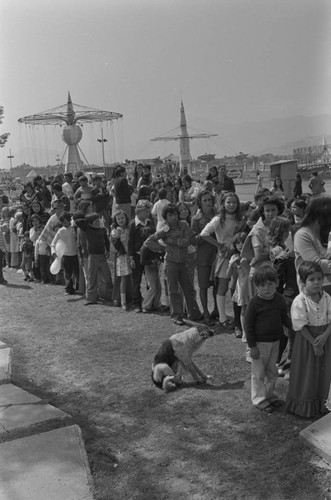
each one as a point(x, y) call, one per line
point(231, 61)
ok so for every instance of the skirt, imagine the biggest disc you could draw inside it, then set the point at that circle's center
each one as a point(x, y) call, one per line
point(123, 267)
point(310, 376)
point(220, 267)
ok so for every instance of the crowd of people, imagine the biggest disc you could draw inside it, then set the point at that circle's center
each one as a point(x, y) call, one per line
point(269, 255)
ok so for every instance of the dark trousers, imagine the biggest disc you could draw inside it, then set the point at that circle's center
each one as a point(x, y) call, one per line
point(237, 313)
point(97, 264)
point(178, 275)
point(137, 273)
point(71, 272)
point(1, 264)
point(44, 265)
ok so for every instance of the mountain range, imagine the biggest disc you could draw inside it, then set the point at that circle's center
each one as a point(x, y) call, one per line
point(277, 135)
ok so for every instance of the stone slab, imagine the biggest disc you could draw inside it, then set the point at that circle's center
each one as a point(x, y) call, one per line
point(11, 394)
point(318, 437)
point(21, 410)
point(52, 465)
point(5, 371)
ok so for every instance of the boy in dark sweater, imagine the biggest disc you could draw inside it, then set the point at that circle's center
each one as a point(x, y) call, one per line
point(98, 250)
point(140, 228)
point(264, 320)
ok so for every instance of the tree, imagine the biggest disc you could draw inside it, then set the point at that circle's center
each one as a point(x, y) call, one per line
point(3, 137)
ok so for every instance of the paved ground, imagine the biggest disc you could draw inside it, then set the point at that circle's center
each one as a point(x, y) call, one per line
point(37, 463)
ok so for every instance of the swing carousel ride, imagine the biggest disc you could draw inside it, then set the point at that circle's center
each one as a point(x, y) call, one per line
point(72, 117)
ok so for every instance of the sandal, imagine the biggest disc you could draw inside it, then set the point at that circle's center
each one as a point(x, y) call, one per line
point(179, 322)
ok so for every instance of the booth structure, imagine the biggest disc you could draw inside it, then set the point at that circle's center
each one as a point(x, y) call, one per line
point(286, 170)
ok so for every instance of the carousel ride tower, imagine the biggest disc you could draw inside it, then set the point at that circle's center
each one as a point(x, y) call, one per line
point(184, 142)
point(71, 115)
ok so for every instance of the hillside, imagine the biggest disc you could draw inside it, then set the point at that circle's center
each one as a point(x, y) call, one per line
point(279, 136)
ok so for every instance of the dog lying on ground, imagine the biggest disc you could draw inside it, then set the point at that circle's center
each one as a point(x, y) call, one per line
point(173, 362)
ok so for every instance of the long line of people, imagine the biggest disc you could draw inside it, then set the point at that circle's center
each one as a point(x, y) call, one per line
point(169, 229)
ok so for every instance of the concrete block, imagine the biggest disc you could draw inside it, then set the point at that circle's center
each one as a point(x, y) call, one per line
point(5, 368)
point(20, 410)
point(318, 437)
point(12, 395)
point(52, 465)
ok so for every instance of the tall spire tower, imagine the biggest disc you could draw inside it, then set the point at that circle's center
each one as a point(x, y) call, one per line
point(184, 142)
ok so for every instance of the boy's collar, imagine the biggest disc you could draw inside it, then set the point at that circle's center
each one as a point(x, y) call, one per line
point(271, 298)
point(137, 221)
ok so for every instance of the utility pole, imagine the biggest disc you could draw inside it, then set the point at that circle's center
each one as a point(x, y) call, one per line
point(10, 156)
point(102, 140)
point(58, 163)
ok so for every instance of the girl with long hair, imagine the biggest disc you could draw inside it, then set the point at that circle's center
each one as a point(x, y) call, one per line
point(120, 238)
point(311, 239)
point(224, 226)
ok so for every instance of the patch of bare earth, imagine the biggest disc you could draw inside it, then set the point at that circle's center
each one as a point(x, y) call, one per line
point(205, 442)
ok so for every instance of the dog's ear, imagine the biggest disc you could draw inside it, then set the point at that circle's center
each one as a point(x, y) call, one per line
point(206, 332)
point(218, 330)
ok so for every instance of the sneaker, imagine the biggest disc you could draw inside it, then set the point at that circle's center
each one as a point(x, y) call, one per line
point(238, 333)
point(227, 324)
point(208, 321)
point(163, 309)
point(124, 307)
point(214, 315)
point(137, 310)
point(277, 404)
point(268, 409)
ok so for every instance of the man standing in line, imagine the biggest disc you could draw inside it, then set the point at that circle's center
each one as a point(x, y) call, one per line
point(226, 183)
point(316, 184)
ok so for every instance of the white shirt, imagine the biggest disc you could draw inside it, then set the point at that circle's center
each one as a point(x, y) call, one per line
point(157, 212)
point(304, 311)
point(67, 235)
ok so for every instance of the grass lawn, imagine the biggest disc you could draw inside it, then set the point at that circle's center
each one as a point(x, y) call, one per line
point(204, 442)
